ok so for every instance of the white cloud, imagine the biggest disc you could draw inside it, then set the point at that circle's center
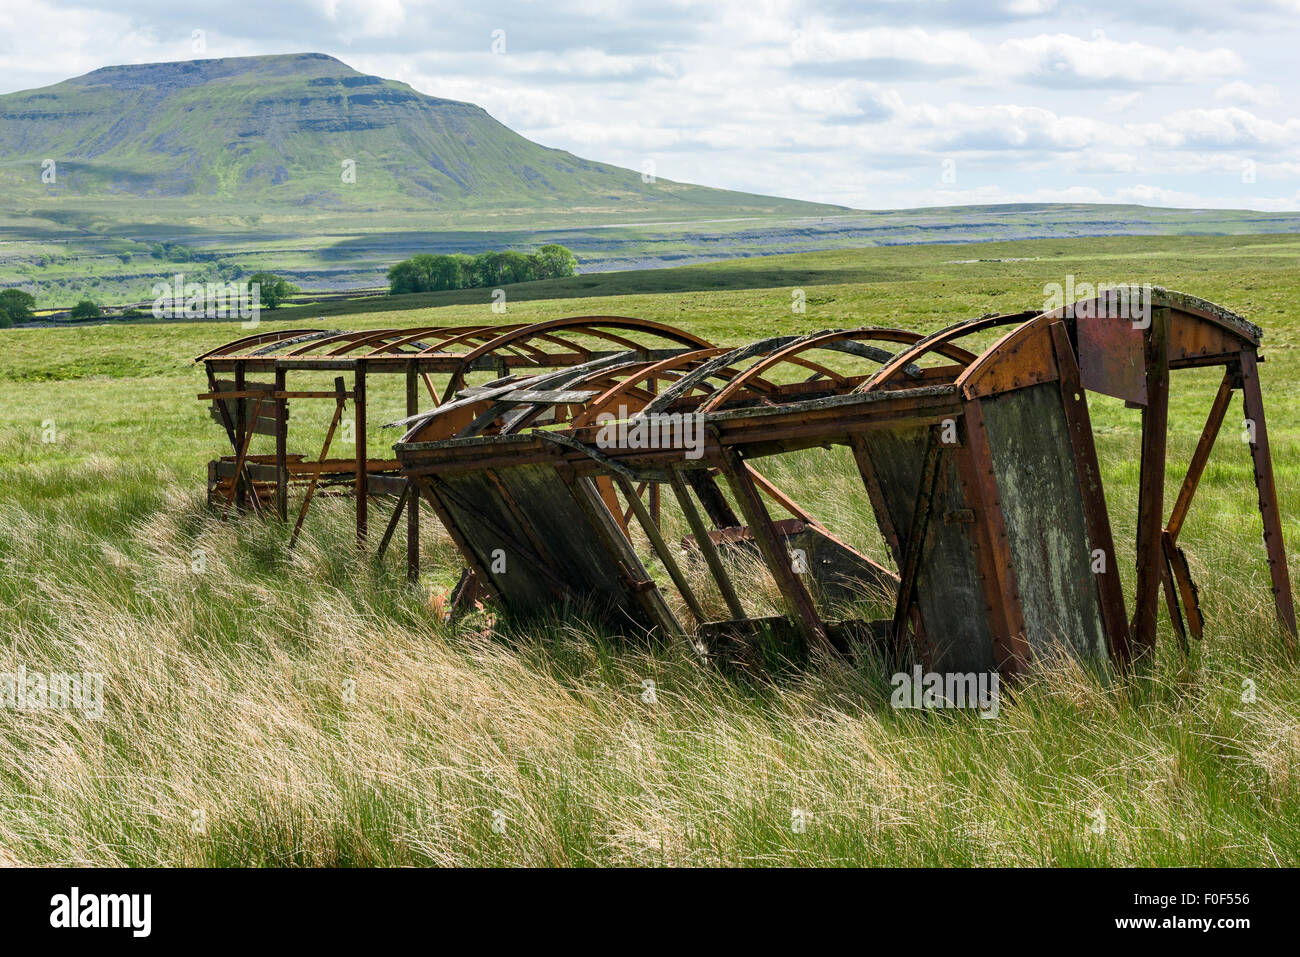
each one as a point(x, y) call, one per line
point(1033, 99)
point(1049, 59)
point(1238, 92)
point(1100, 61)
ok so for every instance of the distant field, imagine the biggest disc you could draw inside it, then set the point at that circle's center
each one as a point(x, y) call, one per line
point(69, 249)
point(227, 738)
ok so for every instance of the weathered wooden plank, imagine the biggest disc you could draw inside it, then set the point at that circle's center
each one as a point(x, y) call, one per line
point(548, 396)
point(507, 540)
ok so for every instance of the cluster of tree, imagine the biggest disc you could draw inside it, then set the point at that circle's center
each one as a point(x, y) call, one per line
point(15, 306)
point(431, 273)
point(173, 252)
point(274, 290)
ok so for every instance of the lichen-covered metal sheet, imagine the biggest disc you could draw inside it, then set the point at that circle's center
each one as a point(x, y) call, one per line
point(949, 595)
point(1035, 468)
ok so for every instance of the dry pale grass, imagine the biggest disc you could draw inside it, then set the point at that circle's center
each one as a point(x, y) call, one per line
point(313, 712)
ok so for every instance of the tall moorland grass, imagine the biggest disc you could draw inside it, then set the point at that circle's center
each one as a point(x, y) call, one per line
point(265, 709)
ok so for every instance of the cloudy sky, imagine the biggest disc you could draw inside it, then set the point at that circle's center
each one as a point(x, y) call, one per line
point(889, 104)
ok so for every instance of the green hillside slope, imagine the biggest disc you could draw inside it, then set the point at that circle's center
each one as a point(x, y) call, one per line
point(277, 130)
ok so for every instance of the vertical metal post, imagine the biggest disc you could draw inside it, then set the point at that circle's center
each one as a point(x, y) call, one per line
point(1262, 460)
point(993, 549)
point(412, 496)
point(241, 430)
point(363, 481)
point(1151, 484)
point(281, 447)
point(1092, 494)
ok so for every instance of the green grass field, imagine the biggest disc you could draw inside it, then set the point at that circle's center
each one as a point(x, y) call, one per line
point(262, 709)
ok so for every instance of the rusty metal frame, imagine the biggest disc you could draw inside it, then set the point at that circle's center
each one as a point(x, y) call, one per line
point(560, 383)
point(417, 353)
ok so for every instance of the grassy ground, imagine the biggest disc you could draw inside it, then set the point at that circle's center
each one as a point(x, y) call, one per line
point(261, 709)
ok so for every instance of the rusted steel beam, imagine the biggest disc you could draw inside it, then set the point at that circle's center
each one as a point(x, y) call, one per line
point(707, 548)
point(800, 603)
point(606, 489)
point(992, 549)
point(651, 529)
point(240, 462)
point(1262, 459)
point(785, 501)
point(652, 384)
point(1151, 484)
point(1218, 409)
point(715, 503)
point(392, 521)
point(1092, 493)
point(287, 394)
point(413, 499)
point(359, 410)
point(429, 386)
point(281, 447)
point(241, 434)
point(627, 516)
point(1171, 603)
point(342, 467)
point(232, 395)
point(1181, 578)
point(225, 417)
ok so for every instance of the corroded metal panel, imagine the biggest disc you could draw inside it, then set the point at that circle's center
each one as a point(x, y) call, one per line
point(1033, 462)
point(948, 594)
point(1111, 357)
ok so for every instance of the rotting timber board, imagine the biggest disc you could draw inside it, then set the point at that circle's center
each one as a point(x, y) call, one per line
point(549, 549)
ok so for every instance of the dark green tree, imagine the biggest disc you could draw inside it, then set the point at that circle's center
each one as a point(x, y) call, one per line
point(274, 290)
point(15, 306)
point(556, 262)
point(86, 309)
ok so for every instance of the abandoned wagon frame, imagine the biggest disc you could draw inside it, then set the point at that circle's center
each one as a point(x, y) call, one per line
point(981, 471)
point(246, 403)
